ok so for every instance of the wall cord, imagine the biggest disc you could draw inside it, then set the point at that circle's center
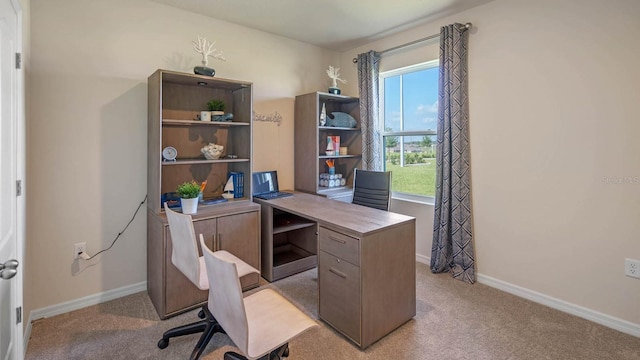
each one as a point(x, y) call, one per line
point(121, 232)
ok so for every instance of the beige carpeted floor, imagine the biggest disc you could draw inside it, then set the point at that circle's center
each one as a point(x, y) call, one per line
point(454, 320)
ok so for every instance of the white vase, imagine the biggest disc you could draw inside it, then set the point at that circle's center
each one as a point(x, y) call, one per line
point(189, 206)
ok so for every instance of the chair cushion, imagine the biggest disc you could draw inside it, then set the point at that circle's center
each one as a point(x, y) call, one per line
point(242, 267)
point(273, 321)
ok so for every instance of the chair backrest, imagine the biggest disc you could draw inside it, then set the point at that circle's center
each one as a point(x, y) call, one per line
point(184, 253)
point(225, 297)
point(372, 188)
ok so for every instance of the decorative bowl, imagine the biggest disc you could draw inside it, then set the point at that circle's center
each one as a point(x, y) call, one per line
point(212, 151)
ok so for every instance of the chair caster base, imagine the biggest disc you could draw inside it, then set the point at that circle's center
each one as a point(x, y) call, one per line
point(233, 356)
point(277, 354)
point(163, 343)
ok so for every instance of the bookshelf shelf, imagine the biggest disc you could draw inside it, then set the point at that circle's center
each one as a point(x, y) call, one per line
point(311, 141)
point(202, 161)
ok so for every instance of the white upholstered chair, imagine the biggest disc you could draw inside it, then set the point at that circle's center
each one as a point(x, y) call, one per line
point(261, 324)
point(186, 258)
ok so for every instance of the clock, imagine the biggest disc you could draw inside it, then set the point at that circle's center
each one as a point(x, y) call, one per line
point(169, 153)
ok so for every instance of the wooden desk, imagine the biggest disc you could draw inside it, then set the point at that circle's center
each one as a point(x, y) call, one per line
point(366, 261)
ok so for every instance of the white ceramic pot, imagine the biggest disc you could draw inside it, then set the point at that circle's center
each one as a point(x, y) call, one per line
point(189, 206)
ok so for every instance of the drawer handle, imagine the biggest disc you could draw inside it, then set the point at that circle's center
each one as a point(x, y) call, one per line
point(338, 240)
point(344, 276)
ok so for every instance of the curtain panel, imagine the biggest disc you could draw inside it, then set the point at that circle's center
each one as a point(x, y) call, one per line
point(452, 247)
point(368, 72)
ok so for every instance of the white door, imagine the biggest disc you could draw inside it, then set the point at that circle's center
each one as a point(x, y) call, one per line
point(11, 164)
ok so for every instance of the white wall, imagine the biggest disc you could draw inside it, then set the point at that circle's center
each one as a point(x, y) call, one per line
point(86, 136)
point(554, 88)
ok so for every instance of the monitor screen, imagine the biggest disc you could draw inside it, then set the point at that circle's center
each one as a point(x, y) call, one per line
point(265, 182)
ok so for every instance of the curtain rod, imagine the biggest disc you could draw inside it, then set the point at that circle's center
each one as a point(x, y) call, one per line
point(466, 26)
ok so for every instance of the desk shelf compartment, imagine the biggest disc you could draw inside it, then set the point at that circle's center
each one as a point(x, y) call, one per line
point(288, 244)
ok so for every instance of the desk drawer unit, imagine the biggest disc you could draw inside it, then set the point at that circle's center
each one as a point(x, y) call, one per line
point(340, 245)
point(339, 277)
point(339, 303)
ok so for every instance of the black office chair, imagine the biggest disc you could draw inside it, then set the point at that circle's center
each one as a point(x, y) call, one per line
point(372, 188)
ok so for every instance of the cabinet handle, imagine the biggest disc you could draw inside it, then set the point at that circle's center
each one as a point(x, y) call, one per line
point(344, 276)
point(338, 240)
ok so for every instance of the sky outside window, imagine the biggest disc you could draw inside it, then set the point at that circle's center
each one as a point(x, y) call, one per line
point(420, 97)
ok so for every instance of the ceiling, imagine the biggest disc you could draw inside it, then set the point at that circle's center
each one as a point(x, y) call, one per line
point(333, 24)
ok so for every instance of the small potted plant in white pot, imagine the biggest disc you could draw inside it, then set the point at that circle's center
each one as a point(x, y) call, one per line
point(189, 193)
point(216, 107)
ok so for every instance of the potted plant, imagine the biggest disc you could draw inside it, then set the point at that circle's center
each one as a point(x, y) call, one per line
point(216, 107)
point(189, 193)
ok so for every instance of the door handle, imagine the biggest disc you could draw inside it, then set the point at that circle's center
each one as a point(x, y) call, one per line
point(8, 269)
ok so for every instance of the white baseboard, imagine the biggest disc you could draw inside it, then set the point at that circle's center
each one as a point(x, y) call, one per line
point(423, 259)
point(624, 326)
point(80, 303)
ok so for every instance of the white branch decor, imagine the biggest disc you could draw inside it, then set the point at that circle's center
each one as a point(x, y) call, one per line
point(204, 47)
point(334, 74)
point(276, 118)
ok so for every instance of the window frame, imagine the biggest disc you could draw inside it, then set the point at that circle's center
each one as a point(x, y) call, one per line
point(381, 129)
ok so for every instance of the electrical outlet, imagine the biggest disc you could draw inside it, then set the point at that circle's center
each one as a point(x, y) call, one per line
point(79, 248)
point(632, 268)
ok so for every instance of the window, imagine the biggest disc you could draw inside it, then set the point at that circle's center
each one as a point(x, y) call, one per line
point(408, 127)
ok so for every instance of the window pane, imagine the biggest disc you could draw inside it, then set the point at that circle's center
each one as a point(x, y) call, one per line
point(411, 160)
point(420, 99)
point(392, 103)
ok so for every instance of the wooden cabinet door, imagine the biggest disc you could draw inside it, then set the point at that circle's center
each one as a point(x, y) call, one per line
point(180, 292)
point(240, 235)
point(208, 229)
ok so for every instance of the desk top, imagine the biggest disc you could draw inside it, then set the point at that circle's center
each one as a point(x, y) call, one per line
point(349, 217)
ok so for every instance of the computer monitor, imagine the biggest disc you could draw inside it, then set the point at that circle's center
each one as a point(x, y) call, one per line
point(265, 182)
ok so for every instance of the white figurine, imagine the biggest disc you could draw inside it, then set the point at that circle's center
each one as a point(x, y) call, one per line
point(323, 115)
point(206, 49)
point(334, 74)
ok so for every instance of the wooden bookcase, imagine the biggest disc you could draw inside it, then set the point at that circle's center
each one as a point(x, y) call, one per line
point(174, 102)
point(311, 142)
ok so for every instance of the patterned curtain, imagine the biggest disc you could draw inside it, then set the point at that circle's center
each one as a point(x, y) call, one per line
point(452, 248)
point(368, 71)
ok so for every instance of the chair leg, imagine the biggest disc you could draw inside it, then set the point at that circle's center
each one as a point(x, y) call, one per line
point(208, 327)
point(277, 354)
point(230, 355)
point(208, 333)
point(196, 327)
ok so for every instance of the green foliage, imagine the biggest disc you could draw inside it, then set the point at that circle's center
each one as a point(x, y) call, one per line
point(426, 141)
point(411, 158)
point(216, 105)
point(390, 141)
point(419, 179)
point(188, 190)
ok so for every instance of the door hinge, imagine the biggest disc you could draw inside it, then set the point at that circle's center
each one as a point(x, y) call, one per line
point(18, 314)
point(18, 60)
point(19, 188)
